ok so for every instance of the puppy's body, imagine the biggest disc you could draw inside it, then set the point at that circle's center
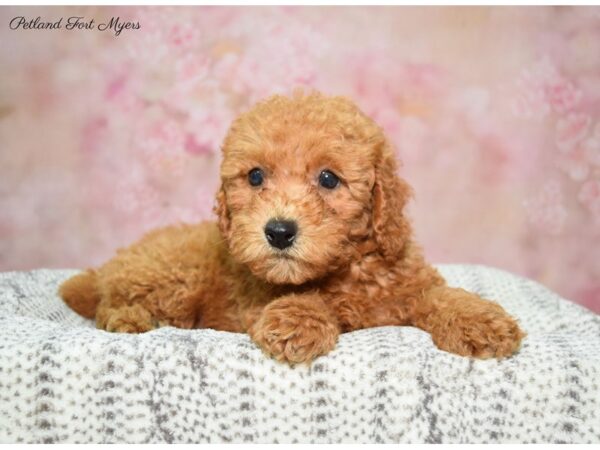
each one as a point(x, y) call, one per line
point(319, 167)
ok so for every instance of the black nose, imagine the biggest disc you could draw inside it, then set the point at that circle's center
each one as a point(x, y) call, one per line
point(281, 233)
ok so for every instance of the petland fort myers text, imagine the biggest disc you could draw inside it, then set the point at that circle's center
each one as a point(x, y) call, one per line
point(115, 24)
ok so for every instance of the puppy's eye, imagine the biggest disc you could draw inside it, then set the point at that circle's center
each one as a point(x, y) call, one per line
point(328, 179)
point(256, 177)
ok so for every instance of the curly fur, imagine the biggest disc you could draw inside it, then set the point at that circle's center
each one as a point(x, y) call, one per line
point(353, 265)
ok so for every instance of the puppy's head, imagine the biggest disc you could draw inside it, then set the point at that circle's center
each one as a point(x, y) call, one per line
point(308, 185)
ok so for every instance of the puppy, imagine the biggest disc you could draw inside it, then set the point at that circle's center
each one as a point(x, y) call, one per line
point(311, 241)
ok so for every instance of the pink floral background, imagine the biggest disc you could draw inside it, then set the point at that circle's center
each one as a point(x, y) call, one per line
point(495, 112)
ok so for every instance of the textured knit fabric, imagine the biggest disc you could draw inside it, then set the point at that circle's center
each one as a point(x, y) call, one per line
point(61, 380)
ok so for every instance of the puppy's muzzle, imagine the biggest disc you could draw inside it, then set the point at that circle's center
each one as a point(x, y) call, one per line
point(281, 233)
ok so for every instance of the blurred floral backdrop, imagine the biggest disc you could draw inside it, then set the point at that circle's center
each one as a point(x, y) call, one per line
point(495, 112)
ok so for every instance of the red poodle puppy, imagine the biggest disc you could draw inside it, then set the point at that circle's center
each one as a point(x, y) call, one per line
point(311, 242)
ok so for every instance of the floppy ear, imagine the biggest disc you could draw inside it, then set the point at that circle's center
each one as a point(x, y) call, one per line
point(222, 212)
point(390, 194)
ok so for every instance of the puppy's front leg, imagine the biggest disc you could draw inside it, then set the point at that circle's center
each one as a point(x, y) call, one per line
point(463, 323)
point(296, 328)
point(125, 319)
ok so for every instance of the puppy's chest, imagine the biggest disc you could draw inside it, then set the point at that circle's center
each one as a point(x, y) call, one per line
point(366, 299)
point(371, 279)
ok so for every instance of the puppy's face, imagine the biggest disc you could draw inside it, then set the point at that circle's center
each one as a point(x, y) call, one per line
point(298, 178)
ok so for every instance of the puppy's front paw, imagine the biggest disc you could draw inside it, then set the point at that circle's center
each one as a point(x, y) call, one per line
point(128, 319)
point(294, 333)
point(488, 334)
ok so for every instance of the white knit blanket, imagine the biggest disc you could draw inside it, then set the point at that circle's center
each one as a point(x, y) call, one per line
point(61, 380)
